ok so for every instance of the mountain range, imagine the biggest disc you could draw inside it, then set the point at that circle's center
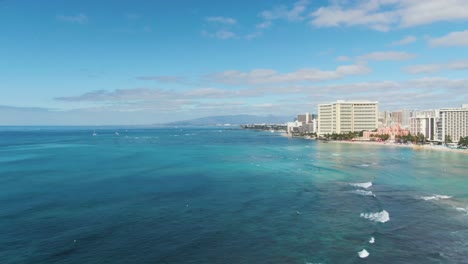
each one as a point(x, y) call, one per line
point(233, 120)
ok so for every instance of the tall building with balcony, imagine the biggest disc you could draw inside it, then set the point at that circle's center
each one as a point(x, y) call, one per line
point(426, 123)
point(394, 118)
point(303, 124)
point(453, 123)
point(347, 116)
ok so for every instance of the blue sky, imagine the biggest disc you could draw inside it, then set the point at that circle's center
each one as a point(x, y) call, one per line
point(143, 62)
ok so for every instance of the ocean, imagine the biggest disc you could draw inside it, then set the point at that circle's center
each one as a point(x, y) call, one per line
point(224, 195)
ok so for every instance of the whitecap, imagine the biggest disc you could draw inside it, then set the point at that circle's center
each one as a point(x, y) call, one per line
point(363, 253)
point(372, 240)
point(435, 197)
point(381, 217)
point(364, 185)
point(363, 165)
point(363, 192)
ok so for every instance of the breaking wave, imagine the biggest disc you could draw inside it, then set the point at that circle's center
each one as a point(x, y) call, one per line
point(435, 197)
point(364, 185)
point(363, 253)
point(381, 217)
point(363, 192)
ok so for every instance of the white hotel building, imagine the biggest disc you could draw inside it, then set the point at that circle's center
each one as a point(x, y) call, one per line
point(435, 125)
point(347, 116)
point(453, 122)
point(426, 123)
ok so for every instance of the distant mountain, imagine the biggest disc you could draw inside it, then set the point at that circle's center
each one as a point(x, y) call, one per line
point(233, 120)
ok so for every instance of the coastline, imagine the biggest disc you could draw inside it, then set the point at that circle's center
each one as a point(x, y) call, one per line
point(415, 147)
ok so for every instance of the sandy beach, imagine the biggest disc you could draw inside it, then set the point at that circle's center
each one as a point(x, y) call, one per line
point(416, 147)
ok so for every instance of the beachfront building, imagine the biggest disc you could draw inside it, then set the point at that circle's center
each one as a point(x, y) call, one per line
point(426, 123)
point(401, 117)
point(393, 132)
point(453, 123)
point(391, 119)
point(304, 124)
point(385, 119)
point(347, 116)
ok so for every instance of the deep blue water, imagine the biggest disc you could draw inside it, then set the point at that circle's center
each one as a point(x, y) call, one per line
point(224, 195)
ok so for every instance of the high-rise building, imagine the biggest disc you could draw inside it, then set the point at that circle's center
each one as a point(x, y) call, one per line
point(347, 116)
point(385, 119)
point(303, 124)
point(405, 118)
point(307, 118)
point(394, 118)
point(425, 122)
point(453, 123)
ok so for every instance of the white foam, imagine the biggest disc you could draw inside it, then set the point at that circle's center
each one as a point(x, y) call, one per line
point(435, 197)
point(364, 165)
point(364, 185)
point(363, 253)
point(381, 217)
point(372, 240)
point(363, 192)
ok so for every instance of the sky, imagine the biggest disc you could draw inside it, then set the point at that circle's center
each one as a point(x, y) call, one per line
point(83, 62)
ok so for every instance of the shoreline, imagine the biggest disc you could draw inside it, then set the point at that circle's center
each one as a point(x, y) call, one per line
point(415, 147)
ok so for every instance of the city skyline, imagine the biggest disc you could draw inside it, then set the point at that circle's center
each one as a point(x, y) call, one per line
point(83, 63)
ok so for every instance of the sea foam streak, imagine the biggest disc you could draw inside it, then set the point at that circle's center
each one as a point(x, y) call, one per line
point(435, 197)
point(364, 185)
point(363, 253)
point(381, 217)
point(363, 192)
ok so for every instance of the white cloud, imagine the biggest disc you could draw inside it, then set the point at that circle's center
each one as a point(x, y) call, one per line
point(334, 16)
point(343, 58)
point(416, 93)
point(120, 95)
point(295, 13)
point(220, 34)
point(253, 35)
point(433, 68)
point(269, 76)
point(263, 25)
point(414, 13)
point(404, 41)
point(355, 69)
point(383, 15)
point(450, 40)
point(163, 78)
point(79, 19)
point(387, 56)
point(222, 20)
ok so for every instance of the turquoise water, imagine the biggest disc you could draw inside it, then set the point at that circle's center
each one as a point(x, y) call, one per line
point(218, 195)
